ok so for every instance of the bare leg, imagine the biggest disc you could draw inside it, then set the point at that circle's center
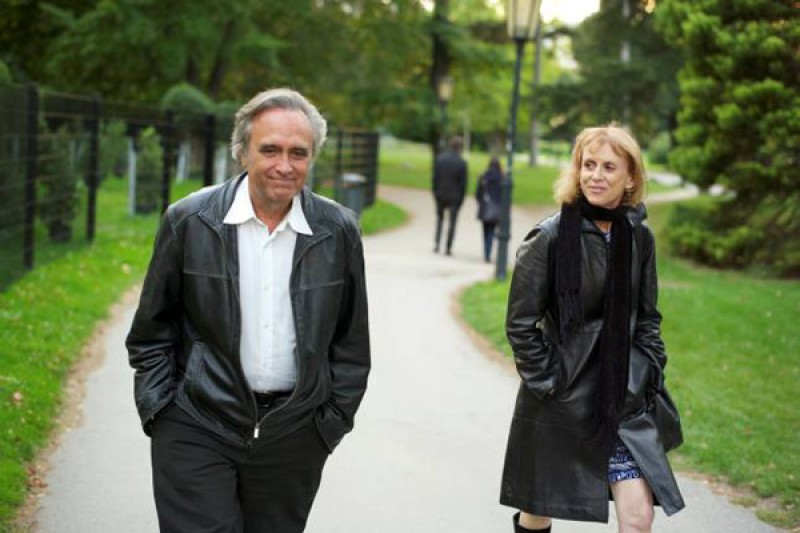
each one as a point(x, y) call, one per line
point(530, 521)
point(633, 501)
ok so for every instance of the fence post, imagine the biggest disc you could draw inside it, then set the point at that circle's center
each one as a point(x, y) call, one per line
point(166, 145)
point(32, 127)
point(208, 159)
point(93, 178)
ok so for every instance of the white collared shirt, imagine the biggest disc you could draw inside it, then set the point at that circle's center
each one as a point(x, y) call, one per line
point(265, 264)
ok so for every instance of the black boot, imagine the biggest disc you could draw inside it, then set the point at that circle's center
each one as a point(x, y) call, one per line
point(519, 529)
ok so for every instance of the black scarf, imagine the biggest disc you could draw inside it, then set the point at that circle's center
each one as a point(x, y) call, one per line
point(613, 344)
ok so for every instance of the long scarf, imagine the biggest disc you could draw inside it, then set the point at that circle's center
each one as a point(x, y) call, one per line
point(612, 348)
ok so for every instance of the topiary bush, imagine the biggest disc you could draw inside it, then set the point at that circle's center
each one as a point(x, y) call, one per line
point(149, 170)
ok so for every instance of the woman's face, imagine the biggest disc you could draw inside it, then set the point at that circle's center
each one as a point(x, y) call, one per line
point(604, 175)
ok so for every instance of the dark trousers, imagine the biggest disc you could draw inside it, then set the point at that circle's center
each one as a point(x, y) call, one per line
point(204, 484)
point(451, 230)
point(488, 238)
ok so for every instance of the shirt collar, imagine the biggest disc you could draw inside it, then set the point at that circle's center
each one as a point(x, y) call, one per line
point(241, 211)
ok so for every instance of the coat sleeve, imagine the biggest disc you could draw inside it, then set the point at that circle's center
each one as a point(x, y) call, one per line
point(527, 305)
point(349, 354)
point(154, 334)
point(647, 335)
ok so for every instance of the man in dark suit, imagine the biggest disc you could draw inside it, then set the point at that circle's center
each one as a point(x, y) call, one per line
point(449, 188)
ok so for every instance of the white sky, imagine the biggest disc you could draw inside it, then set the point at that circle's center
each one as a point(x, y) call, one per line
point(571, 12)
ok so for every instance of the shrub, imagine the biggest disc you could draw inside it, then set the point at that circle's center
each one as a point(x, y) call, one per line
point(60, 164)
point(113, 149)
point(149, 170)
point(719, 233)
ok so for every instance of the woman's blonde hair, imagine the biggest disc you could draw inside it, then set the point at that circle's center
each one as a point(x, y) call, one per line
point(567, 187)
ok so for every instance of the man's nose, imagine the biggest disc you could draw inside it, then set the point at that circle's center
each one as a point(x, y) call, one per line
point(284, 166)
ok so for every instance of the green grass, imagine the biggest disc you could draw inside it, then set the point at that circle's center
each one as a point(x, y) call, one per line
point(733, 370)
point(382, 216)
point(48, 315)
point(409, 164)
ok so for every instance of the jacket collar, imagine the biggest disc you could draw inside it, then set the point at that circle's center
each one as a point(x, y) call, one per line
point(222, 199)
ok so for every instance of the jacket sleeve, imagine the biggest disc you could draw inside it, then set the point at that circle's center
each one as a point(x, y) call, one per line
point(154, 334)
point(527, 305)
point(647, 335)
point(348, 354)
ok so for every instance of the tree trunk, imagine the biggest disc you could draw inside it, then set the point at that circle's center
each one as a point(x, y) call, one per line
point(220, 60)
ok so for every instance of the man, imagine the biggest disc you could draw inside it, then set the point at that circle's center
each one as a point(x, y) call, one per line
point(449, 188)
point(251, 342)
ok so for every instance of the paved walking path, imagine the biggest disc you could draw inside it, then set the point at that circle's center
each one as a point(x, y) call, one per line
point(427, 450)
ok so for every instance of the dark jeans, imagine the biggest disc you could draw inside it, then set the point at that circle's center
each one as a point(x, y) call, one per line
point(488, 238)
point(451, 231)
point(205, 484)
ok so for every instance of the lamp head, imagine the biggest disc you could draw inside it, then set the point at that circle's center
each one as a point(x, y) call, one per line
point(523, 16)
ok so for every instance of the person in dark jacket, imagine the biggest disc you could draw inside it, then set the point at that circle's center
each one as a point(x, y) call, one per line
point(250, 342)
point(489, 194)
point(449, 189)
point(593, 419)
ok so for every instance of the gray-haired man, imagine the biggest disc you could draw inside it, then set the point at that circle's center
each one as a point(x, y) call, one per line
point(251, 341)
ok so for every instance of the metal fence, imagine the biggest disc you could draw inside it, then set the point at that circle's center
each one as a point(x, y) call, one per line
point(57, 150)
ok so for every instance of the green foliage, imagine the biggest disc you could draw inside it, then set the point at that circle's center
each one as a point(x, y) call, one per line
point(5, 73)
point(740, 123)
point(641, 91)
point(149, 170)
point(184, 98)
point(722, 233)
point(659, 148)
point(60, 165)
point(113, 151)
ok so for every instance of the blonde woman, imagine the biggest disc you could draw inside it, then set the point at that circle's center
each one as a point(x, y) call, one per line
point(592, 419)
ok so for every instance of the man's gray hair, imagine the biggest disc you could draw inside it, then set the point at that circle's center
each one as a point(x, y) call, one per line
point(280, 98)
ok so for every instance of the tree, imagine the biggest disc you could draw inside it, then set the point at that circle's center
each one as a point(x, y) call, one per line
point(739, 127)
point(626, 73)
point(627, 68)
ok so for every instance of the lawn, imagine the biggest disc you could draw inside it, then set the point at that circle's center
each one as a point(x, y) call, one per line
point(409, 164)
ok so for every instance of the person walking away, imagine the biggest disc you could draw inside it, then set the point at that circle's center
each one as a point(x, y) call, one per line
point(250, 342)
point(489, 193)
point(593, 419)
point(449, 189)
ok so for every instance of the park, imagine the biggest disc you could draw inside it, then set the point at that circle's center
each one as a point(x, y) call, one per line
point(131, 108)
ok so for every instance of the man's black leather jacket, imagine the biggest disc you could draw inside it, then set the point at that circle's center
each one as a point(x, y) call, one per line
point(184, 341)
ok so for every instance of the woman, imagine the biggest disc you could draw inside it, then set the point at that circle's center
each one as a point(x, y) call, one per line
point(489, 195)
point(592, 419)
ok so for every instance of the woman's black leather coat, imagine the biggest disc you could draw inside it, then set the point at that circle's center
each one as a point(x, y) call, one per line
point(550, 470)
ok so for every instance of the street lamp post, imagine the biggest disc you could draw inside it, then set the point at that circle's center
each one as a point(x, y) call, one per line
point(523, 17)
point(444, 92)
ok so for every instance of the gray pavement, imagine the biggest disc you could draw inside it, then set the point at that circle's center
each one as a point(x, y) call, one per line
point(427, 450)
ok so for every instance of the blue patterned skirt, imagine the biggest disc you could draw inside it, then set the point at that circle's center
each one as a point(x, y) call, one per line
point(622, 465)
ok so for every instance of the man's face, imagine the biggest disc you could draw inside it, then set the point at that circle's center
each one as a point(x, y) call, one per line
point(278, 157)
